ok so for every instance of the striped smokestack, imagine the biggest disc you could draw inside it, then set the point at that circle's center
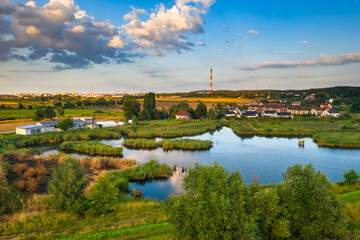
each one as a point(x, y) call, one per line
point(210, 80)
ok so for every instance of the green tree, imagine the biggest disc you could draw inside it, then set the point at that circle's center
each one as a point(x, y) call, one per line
point(60, 112)
point(351, 177)
point(131, 107)
point(310, 205)
point(211, 114)
point(135, 120)
point(220, 112)
point(20, 106)
point(264, 204)
point(103, 196)
point(38, 115)
point(49, 113)
point(150, 104)
point(201, 110)
point(213, 206)
point(67, 186)
point(355, 107)
point(65, 124)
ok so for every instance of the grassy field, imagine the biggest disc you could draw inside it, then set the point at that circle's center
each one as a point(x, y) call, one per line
point(205, 100)
point(132, 220)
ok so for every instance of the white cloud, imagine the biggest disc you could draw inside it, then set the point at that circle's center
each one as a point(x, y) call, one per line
point(304, 42)
point(253, 32)
point(32, 30)
point(323, 60)
point(116, 42)
point(200, 43)
point(165, 28)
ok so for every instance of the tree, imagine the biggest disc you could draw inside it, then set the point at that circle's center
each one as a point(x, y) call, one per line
point(60, 112)
point(38, 115)
point(67, 186)
point(57, 104)
point(65, 124)
point(30, 107)
point(20, 106)
point(213, 206)
point(135, 120)
point(69, 104)
point(131, 107)
point(201, 110)
point(78, 103)
point(355, 107)
point(103, 196)
point(351, 177)
point(150, 104)
point(220, 112)
point(211, 114)
point(310, 205)
point(49, 113)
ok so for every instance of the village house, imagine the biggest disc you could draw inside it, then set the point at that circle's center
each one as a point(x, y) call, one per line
point(268, 114)
point(250, 114)
point(106, 124)
point(182, 115)
point(330, 113)
point(326, 105)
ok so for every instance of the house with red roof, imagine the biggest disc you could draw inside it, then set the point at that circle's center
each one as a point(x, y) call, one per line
point(183, 115)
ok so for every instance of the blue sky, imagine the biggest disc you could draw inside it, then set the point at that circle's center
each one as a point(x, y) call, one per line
point(249, 44)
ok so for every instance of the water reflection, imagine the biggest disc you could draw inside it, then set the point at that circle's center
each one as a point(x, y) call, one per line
point(265, 157)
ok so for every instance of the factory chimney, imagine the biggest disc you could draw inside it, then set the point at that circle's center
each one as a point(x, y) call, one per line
point(210, 80)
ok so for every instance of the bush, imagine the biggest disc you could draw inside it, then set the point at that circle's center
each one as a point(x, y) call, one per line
point(103, 196)
point(10, 199)
point(213, 207)
point(351, 177)
point(67, 186)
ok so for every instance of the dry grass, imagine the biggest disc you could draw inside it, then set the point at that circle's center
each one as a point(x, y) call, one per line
point(29, 177)
point(107, 163)
point(208, 100)
point(10, 126)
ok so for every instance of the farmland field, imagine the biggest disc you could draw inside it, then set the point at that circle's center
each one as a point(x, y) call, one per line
point(205, 100)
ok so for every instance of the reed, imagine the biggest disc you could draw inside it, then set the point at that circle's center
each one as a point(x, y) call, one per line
point(150, 170)
point(184, 144)
point(91, 148)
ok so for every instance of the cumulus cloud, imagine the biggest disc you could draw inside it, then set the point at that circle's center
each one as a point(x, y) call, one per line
point(68, 37)
point(323, 60)
point(166, 27)
point(61, 30)
point(253, 32)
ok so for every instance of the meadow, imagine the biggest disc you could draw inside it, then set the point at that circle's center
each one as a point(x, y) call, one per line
point(205, 100)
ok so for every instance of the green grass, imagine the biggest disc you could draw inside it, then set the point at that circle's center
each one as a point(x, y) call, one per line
point(349, 139)
point(135, 219)
point(9, 114)
point(185, 144)
point(91, 148)
point(350, 197)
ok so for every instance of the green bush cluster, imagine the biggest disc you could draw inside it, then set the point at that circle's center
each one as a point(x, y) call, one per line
point(218, 205)
point(91, 148)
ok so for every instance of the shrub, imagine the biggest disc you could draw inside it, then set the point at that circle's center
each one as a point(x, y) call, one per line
point(67, 186)
point(351, 177)
point(10, 199)
point(103, 196)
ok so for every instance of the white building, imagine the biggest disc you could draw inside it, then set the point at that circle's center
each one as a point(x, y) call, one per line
point(268, 114)
point(106, 124)
point(30, 129)
point(330, 113)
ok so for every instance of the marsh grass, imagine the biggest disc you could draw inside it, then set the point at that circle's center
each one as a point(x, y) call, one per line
point(184, 144)
point(91, 148)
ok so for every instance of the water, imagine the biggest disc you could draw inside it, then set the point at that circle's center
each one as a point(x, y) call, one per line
point(266, 158)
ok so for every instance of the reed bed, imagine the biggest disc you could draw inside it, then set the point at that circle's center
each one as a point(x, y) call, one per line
point(184, 144)
point(343, 139)
point(150, 170)
point(91, 148)
point(172, 129)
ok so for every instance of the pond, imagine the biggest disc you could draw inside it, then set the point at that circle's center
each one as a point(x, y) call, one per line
point(266, 158)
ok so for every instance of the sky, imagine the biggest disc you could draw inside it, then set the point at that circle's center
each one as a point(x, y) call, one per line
point(118, 46)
